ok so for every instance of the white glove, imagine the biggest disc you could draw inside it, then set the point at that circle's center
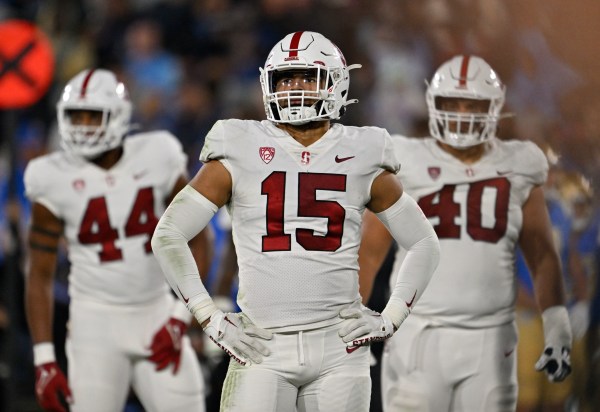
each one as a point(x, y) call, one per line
point(362, 326)
point(579, 315)
point(555, 362)
point(237, 338)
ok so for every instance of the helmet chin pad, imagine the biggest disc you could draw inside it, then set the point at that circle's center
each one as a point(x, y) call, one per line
point(297, 115)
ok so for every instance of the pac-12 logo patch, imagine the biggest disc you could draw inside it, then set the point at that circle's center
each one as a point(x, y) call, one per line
point(266, 153)
point(78, 184)
point(434, 172)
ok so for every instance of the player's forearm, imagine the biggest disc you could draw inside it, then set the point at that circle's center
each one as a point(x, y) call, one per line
point(413, 276)
point(369, 265)
point(375, 244)
point(39, 307)
point(186, 216)
point(202, 250)
point(548, 283)
point(413, 232)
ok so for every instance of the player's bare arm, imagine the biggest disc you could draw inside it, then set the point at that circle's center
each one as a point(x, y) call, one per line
point(375, 244)
point(45, 232)
point(213, 181)
point(540, 252)
point(542, 258)
point(385, 191)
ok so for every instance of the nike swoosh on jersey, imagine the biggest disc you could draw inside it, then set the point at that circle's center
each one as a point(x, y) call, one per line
point(351, 349)
point(186, 300)
point(139, 175)
point(343, 159)
point(503, 172)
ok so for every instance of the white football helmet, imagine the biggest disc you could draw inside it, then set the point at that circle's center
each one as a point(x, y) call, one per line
point(97, 90)
point(468, 77)
point(305, 50)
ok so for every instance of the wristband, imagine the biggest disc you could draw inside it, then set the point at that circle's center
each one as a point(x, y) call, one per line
point(204, 310)
point(396, 313)
point(557, 329)
point(43, 353)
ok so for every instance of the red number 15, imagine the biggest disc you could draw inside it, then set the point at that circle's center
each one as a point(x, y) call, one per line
point(308, 206)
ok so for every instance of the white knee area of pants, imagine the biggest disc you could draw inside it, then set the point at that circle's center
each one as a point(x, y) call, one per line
point(502, 398)
point(400, 399)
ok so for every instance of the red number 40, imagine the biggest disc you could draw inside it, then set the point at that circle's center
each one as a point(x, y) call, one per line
point(442, 205)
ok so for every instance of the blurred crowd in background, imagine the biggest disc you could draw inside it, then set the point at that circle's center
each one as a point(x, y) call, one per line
point(188, 63)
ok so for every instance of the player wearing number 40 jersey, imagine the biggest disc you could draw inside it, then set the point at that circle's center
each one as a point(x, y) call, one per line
point(104, 195)
point(456, 352)
point(296, 188)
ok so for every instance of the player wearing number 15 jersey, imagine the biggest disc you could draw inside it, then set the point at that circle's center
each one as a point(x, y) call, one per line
point(296, 188)
point(456, 352)
point(104, 194)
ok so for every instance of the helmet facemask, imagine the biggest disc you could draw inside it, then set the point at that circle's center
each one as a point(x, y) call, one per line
point(87, 140)
point(299, 105)
point(462, 129)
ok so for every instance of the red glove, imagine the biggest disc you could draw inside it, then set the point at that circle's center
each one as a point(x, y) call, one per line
point(49, 383)
point(166, 345)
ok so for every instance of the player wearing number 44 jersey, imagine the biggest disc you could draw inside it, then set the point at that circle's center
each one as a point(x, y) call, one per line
point(456, 352)
point(104, 195)
point(296, 188)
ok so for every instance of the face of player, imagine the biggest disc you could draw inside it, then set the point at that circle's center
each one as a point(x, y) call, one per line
point(462, 106)
point(298, 81)
point(85, 117)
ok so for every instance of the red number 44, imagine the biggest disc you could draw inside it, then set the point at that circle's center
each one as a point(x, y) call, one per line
point(96, 228)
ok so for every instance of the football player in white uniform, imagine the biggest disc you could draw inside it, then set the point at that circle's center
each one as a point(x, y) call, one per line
point(296, 187)
point(104, 195)
point(456, 352)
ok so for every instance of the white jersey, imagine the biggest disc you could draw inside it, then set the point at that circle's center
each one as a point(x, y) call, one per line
point(476, 211)
point(296, 216)
point(109, 215)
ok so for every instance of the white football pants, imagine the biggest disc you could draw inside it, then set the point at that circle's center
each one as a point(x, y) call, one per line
point(107, 346)
point(443, 369)
point(307, 371)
